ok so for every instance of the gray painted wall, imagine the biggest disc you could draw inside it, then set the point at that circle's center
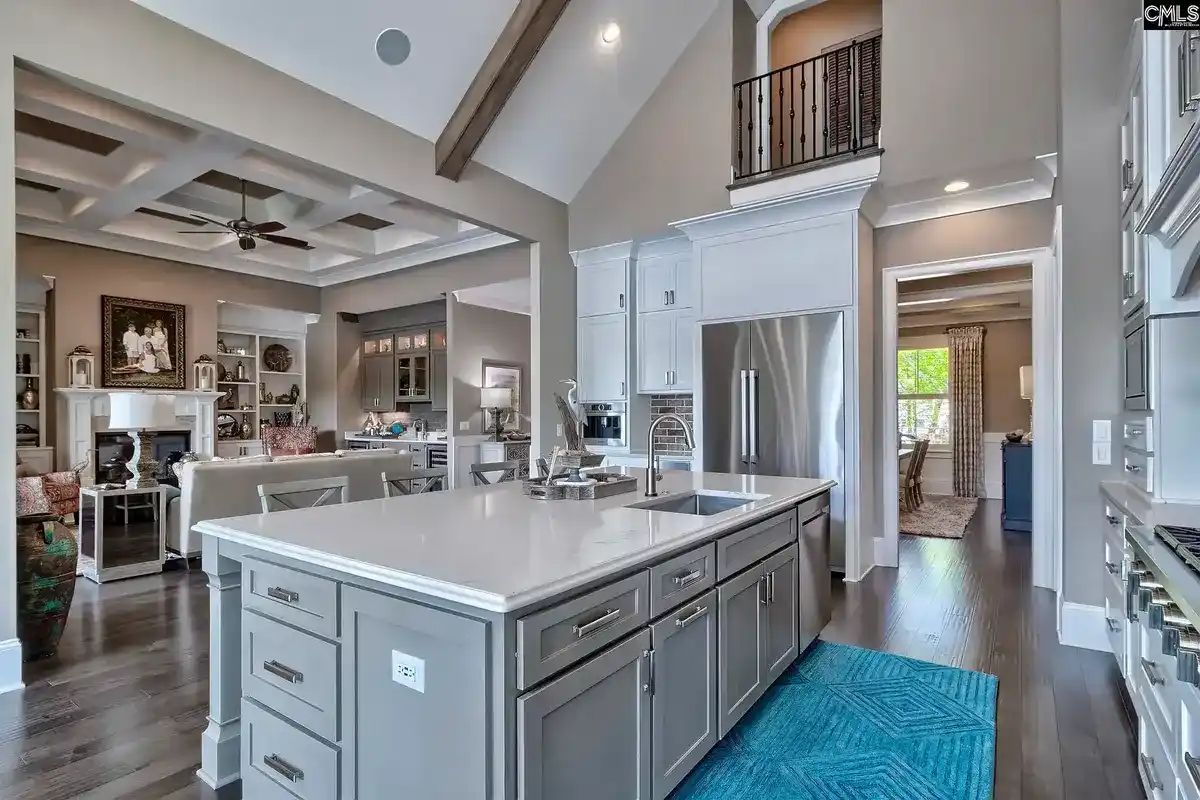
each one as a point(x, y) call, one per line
point(477, 333)
point(431, 313)
point(673, 161)
point(967, 84)
point(995, 230)
point(745, 41)
point(1093, 47)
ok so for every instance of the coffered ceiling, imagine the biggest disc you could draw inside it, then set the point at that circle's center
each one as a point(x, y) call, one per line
point(985, 296)
point(95, 172)
point(571, 106)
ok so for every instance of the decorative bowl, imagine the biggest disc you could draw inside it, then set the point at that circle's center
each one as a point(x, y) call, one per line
point(1015, 437)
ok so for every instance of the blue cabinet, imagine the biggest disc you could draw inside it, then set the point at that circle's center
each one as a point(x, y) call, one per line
point(1018, 486)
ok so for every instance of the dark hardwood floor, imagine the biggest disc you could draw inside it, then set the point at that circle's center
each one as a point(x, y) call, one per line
point(1063, 726)
point(119, 712)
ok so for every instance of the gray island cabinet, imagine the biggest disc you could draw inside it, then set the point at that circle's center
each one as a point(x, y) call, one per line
point(483, 645)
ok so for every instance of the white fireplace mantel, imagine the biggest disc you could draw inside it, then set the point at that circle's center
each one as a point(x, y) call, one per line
point(88, 411)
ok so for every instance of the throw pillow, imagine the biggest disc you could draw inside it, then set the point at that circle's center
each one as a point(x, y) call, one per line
point(31, 497)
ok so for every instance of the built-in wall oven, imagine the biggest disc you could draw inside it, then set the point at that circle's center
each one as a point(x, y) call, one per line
point(1136, 364)
point(604, 425)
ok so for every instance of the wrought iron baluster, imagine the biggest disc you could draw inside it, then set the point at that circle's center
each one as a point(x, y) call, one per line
point(792, 114)
point(825, 104)
point(759, 140)
point(740, 170)
point(855, 52)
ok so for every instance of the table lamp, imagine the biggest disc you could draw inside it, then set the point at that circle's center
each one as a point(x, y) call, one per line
point(496, 400)
point(1027, 393)
point(136, 413)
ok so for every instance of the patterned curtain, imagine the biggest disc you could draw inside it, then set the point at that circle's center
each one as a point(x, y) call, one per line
point(966, 409)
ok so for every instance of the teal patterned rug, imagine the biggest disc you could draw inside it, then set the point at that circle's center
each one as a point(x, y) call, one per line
point(848, 723)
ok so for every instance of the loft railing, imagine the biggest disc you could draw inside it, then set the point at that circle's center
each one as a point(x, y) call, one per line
point(822, 108)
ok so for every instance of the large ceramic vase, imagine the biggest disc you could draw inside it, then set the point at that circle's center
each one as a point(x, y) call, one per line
point(47, 555)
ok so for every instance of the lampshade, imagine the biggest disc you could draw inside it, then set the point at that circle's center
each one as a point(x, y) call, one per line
point(495, 398)
point(1026, 383)
point(130, 411)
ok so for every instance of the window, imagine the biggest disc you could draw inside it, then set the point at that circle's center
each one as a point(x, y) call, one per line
point(923, 386)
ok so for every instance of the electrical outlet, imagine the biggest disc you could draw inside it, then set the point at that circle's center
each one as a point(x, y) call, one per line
point(1101, 453)
point(464, 426)
point(558, 429)
point(408, 671)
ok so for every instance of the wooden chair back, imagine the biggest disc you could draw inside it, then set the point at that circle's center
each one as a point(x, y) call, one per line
point(414, 481)
point(508, 470)
point(303, 494)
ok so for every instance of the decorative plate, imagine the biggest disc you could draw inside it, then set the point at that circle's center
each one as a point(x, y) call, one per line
point(277, 358)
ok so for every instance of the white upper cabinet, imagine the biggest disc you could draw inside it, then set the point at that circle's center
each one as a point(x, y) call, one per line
point(603, 356)
point(1133, 258)
point(603, 288)
point(666, 352)
point(1132, 137)
point(1183, 83)
point(664, 282)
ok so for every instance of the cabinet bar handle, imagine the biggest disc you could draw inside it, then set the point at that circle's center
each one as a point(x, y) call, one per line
point(688, 578)
point(601, 622)
point(287, 673)
point(1111, 519)
point(1136, 431)
point(1151, 670)
point(667, 378)
point(621, 298)
point(1193, 767)
point(762, 594)
point(1127, 174)
point(666, 297)
point(286, 595)
point(690, 618)
point(1111, 567)
point(672, 292)
point(1113, 625)
point(648, 686)
point(1134, 468)
point(771, 587)
point(283, 768)
point(1151, 772)
point(622, 388)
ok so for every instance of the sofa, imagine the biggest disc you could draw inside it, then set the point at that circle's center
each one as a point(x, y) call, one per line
point(229, 488)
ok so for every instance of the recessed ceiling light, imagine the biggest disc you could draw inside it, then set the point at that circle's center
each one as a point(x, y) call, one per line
point(611, 33)
point(393, 47)
point(957, 186)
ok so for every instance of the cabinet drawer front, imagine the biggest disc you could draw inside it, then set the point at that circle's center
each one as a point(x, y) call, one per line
point(287, 757)
point(1155, 677)
point(298, 598)
point(812, 507)
point(1137, 433)
point(1189, 736)
point(1153, 767)
point(1138, 468)
point(739, 550)
point(292, 673)
point(551, 640)
point(1115, 622)
point(741, 674)
point(682, 578)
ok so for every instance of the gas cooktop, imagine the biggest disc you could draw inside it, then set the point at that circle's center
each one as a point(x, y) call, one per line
point(1184, 541)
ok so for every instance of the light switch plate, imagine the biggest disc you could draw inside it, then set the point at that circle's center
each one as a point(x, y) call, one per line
point(558, 429)
point(1101, 453)
point(1102, 430)
point(408, 671)
point(464, 426)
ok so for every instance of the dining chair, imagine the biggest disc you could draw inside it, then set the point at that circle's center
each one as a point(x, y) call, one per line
point(918, 488)
point(414, 481)
point(300, 494)
point(479, 472)
point(908, 495)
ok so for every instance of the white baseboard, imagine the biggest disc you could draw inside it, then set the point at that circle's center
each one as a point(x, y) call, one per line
point(1083, 626)
point(10, 666)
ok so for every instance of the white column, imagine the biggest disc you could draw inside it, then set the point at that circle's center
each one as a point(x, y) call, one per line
point(552, 336)
point(220, 744)
point(10, 648)
point(204, 439)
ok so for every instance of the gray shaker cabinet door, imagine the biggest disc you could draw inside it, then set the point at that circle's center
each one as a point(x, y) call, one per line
point(432, 741)
point(438, 381)
point(740, 623)
point(814, 584)
point(780, 639)
point(586, 734)
point(684, 705)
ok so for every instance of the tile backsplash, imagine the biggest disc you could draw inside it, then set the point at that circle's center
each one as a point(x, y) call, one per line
point(669, 438)
point(434, 420)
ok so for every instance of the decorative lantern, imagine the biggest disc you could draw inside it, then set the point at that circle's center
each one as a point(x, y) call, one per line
point(81, 365)
point(204, 373)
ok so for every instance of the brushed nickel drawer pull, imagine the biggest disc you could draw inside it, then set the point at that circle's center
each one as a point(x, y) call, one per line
point(280, 671)
point(1193, 767)
point(1151, 670)
point(601, 622)
point(771, 587)
point(286, 595)
point(283, 768)
point(1111, 567)
point(690, 618)
point(1134, 468)
point(1151, 772)
point(688, 578)
point(1111, 519)
point(1113, 625)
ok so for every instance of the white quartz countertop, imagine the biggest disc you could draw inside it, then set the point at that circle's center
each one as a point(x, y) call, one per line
point(494, 549)
point(408, 437)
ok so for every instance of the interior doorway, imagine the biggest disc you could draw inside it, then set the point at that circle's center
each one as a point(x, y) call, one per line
point(922, 301)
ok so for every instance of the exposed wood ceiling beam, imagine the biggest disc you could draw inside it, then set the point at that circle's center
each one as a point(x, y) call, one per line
point(519, 43)
point(907, 321)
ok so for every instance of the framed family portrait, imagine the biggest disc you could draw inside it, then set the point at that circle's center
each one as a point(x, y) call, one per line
point(143, 344)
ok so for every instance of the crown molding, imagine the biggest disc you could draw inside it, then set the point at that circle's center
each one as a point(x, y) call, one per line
point(599, 255)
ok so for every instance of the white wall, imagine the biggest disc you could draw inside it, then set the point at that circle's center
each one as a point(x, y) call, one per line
point(938, 477)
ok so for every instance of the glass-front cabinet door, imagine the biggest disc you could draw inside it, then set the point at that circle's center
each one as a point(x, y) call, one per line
point(437, 339)
point(377, 346)
point(409, 341)
point(412, 377)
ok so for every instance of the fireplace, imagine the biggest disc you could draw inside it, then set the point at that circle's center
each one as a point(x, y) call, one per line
point(113, 449)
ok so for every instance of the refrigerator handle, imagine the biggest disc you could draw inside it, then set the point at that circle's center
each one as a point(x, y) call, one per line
point(745, 409)
point(753, 415)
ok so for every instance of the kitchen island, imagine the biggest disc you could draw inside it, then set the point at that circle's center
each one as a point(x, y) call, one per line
point(479, 644)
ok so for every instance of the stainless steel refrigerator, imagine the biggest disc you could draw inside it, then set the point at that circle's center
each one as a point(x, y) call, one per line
point(774, 404)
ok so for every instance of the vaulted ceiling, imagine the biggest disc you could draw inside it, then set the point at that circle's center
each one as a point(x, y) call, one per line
point(95, 172)
point(573, 103)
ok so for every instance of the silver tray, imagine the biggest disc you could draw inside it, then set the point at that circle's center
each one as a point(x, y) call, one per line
point(607, 484)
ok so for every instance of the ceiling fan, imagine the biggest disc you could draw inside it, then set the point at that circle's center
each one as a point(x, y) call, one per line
point(246, 231)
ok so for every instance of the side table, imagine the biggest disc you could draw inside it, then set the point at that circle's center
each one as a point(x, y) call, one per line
point(122, 532)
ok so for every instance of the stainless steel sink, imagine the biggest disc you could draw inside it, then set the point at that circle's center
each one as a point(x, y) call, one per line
point(700, 504)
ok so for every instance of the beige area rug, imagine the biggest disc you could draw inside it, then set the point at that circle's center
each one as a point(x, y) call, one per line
point(940, 516)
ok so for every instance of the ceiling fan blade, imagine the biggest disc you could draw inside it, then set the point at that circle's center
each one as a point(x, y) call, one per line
point(207, 233)
point(269, 227)
point(211, 221)
point(286, 241)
